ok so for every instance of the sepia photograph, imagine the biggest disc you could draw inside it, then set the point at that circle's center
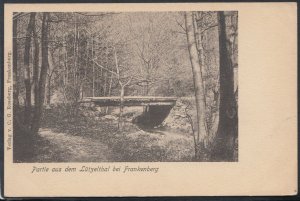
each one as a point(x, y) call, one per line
point(125, 86)
point(150, 99)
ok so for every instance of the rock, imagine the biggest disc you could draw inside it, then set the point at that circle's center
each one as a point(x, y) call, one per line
point(177, 119)
point(109, 117)
point(98, 113)
point(87, 113)
point(98, 109)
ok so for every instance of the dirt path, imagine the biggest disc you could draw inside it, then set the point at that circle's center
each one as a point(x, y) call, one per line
point(67, 148)
point(143, 146)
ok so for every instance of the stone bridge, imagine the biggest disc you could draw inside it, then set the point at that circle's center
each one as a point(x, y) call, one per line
point(155, 112)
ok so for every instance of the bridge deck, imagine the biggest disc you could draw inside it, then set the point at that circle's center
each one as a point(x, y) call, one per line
point(131, 100)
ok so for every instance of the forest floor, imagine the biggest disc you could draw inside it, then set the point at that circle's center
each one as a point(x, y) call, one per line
point(137, 146)
point(91, 138)
point(63, 147)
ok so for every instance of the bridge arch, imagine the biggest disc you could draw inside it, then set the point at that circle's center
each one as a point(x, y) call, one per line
point(157, 108)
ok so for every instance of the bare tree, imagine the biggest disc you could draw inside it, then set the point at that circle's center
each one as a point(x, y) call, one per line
point(43, 74)
point(198, 82)
point(27, 79)
point(36, 67)
point(122, 90)
point(50, 73)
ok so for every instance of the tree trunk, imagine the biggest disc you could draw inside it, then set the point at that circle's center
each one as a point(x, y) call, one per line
point(215, 118)
point(120, 124)
point(27, 81)
point(109, 90)
point(199, 45)
point(43, 74)
point(198, 82)
point(35, 76)
point(48, 101)
point(51, 69)
point(75, 55)
point(93, 65)
point(228, 119)
point(105, 84)
point(122, 90)
point(15, 63)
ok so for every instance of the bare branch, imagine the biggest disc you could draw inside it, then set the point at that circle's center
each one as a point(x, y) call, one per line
point(19, 15)
point(179, 32)
point(180, 25)
point(128, 82)
point(104, 67)
point(209, 27)
point(99, 65)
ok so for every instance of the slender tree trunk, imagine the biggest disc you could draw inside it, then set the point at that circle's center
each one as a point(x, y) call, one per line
point(199, 46)
point(81, 91)
point(120, 124)
point(100, 81)
point(49, 91)
point(105, 83)
point(15, 63)
point(93, 65)
point(227, 129)
point(51, 69)
point(66, 77)
point(27, 79)
point(75, 54)
point(122, 85)
point(109, 90)
point(85, 68)
point(148, 79)
point(215, 118)
point(35, 76)
point(43, 73)
point(198, 82)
